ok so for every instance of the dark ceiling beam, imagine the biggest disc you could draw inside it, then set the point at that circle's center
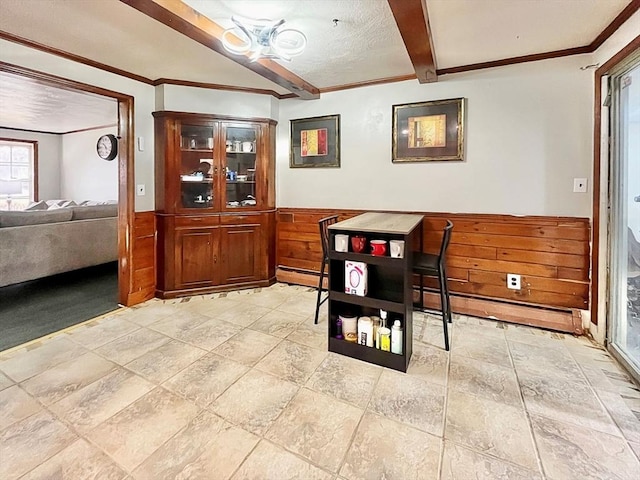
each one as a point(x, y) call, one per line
point(184, 19)
point(412, 19)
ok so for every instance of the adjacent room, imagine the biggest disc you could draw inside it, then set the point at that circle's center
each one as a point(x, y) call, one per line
point(306, 239)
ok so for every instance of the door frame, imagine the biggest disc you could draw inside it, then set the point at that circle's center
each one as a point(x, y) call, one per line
point(126, 157)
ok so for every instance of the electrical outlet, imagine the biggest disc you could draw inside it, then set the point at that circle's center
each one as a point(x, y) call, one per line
point(140, 190)
point(513, 281)
point(579, 185)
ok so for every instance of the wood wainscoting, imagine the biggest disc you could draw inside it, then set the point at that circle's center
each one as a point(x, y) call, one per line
point(550, 253)
point(143, 247)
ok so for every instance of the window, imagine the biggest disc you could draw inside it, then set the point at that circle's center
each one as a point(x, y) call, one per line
point(18, 174)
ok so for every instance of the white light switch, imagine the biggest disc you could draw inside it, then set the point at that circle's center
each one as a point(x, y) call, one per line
point(140, 190)
point(141, 144)
point(579, 185)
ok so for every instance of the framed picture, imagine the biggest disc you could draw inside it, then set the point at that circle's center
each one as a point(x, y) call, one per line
point(429, 131)
point(315, 142)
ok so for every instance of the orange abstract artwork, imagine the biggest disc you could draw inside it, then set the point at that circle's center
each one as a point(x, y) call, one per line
point(428, 131)
point(313, 143)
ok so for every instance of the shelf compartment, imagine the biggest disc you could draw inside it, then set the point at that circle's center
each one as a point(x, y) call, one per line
point(368, 259)
point(397, 307)
point(368, 354)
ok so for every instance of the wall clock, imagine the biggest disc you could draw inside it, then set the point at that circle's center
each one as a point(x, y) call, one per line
point(107, 147)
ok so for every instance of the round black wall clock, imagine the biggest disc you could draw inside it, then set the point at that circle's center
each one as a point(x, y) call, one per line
point(107, 147)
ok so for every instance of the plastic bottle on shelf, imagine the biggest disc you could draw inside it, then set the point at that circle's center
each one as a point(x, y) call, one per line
point(365, 331)
point(339, 329)
point(383, 324)
point(396, 338)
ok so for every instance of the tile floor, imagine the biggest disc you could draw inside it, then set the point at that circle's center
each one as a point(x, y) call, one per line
point(240, 386)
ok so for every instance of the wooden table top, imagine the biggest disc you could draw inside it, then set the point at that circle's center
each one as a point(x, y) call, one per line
point(375, 222)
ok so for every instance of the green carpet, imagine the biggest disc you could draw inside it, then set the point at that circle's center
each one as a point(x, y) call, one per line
point(32, 309)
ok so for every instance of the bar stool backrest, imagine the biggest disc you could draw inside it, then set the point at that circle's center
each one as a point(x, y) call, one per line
point(324, 223)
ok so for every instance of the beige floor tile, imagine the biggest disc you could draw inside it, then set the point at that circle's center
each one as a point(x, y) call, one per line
point(429, 363)
point(535, 336)
point(490, 427)
point(150, 312)
point(198, 330)
point(385, 449)
point(433, 336)
point(270, 462)
point(622, 415)
point(205, 380)
point(15, 405)
point(88, 407)
point(244, 314)
point(247, 347)
point(31, 441)
point(278, 324)
point(241, 406)
point(165, 361)
point(138, 430)
point(409, 400)
point(78, 461)
point(36, 358)
point(100, 332)
point(208, 444)
point(575, 403)
point(570, 452)
point(212, 307)
point(484, 379)
point(346, 379)
point(476, 326)
point(460, 463)
point(291, 361)
point(68, 377)
point(133, 345)
point(543, 360)
point(268, 298)
point(489, 349)
point(5, 382)
point(317, 427)
point(636, 448)
point(303, 305)
point(312, 335)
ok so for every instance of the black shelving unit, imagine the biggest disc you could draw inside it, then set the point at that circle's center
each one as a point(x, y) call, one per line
point(389, 283)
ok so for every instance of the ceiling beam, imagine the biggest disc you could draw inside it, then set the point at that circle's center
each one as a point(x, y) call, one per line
point(412, 19)
point(181, 17)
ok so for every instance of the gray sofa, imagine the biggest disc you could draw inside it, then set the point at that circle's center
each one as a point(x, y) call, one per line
point(37, 244)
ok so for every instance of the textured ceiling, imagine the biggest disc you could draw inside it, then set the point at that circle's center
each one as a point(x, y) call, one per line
point(364, 46)
point(26, 104)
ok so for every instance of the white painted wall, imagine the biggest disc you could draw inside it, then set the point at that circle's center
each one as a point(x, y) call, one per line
point(144, 98)
point(49, 160)
point(221, 102)
point(528, 131)
point(84, 175)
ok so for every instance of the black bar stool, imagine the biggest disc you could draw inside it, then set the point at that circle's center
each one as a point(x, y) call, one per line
point(430, 264)
point(324, 223)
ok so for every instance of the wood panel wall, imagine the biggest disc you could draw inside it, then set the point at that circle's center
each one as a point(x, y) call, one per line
point(550, 253)
point(143, 245)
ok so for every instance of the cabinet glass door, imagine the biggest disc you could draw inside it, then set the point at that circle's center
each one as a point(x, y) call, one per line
point(196, 166)
point(241, 143)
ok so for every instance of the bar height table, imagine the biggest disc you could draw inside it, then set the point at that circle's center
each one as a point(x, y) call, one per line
point(389, 282)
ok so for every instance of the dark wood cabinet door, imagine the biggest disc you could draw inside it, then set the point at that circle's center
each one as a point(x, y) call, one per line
point(196, 257)
point(240, 246)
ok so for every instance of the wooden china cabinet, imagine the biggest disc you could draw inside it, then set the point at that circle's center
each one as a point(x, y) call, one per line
point(215, 203)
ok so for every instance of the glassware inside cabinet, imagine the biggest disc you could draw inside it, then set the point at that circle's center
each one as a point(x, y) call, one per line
point(240, 169)
point(196, 167)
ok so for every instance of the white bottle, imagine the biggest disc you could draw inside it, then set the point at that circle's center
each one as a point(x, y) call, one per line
point(365, 331)
point(396, 338)
point(383, 324)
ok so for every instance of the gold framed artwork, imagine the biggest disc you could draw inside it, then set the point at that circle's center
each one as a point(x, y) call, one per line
point(428, 131)
point(315, 142)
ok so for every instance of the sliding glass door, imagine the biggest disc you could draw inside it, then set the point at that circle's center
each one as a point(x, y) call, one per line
point(624, 221)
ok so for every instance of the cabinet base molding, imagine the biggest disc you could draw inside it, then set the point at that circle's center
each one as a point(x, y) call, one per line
point(559, 320)
point(190, 292)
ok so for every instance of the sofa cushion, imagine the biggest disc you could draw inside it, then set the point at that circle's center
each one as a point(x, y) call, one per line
point(96, 211)
point(36, 217)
